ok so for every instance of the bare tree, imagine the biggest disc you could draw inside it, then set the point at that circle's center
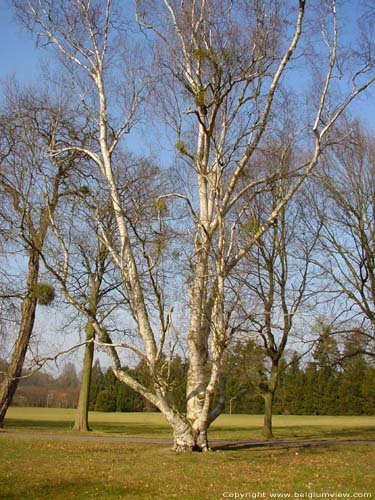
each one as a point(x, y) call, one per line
point(277, 283)
point(96, 267)
point(221, 68)
point(80, 261)
point(32, 183)
point(344, 200)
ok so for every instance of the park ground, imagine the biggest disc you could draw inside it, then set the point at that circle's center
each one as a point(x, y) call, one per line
point(41, 459)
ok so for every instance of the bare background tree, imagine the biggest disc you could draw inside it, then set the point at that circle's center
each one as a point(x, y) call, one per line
point(344, 204)
point(31, 184)
point(278, 287)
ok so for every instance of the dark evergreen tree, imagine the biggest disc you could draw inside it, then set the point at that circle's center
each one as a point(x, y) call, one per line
point(368, 391)
point(351, 400)
point(105, 401)
point(290, 392)
point(245, 374)
point(96, 383)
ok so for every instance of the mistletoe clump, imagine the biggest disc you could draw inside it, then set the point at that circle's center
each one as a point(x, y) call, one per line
point(44, 292)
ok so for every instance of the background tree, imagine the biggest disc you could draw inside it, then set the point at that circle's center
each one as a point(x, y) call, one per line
point(291, 388)
point(32, 184)
point(322, 373)
point(344, 203)
point(95, 383)
point(276, 276)
point(106, 401)
point(96, 263)
point(354, 369)
point(68, 376)
point(79, 255)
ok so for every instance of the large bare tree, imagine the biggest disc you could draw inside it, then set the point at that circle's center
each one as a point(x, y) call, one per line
point(219, 70)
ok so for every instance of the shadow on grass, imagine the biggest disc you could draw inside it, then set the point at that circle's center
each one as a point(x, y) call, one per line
point(47, 425)
point(132, 429)
point(314, 432)
point(294, 432)
point(64, 488)
point(243, 433)
point(288, 444)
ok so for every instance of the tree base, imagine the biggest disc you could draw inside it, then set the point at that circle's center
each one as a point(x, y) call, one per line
point(186, 448)
point(191, 445)
point(268, 437)
point(81, 429)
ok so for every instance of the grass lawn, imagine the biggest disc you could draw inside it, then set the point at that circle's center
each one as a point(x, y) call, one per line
point(55, 469)
point(225, 427)
point(52, 469)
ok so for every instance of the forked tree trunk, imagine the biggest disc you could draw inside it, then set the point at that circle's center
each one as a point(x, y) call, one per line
point(81, 423)
point(200, 415)
point(186, 438)
point(9, 384)
point(192, 435)
point(183, 437)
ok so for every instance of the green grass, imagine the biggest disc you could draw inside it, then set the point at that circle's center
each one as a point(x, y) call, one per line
point(52, 468)
point(225, 427)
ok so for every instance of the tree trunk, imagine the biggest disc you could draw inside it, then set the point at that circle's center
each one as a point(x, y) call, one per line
point(198, 347)
point(268, 402)
point(267, 421)
point(183, 438)
point(81, 423)
point(188, 439)
point(9, 385)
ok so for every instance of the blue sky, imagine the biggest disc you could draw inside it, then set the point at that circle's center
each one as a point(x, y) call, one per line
point(18, 55)
point(20, 58)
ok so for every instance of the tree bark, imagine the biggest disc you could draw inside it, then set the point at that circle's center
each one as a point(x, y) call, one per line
point(199, 330)
point(9, 385)
point(267, 421)
point(186, 438)
point(268, 402)
point(81, 423)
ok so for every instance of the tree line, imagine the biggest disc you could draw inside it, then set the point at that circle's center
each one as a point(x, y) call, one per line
point(41, 389)
point(174, 190)
point(310, 389)
point(325, 385)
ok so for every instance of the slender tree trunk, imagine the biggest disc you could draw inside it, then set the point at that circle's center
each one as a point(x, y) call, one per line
point(81, 423)
point(267, 421)
point(9, 385)
point(268, 402)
